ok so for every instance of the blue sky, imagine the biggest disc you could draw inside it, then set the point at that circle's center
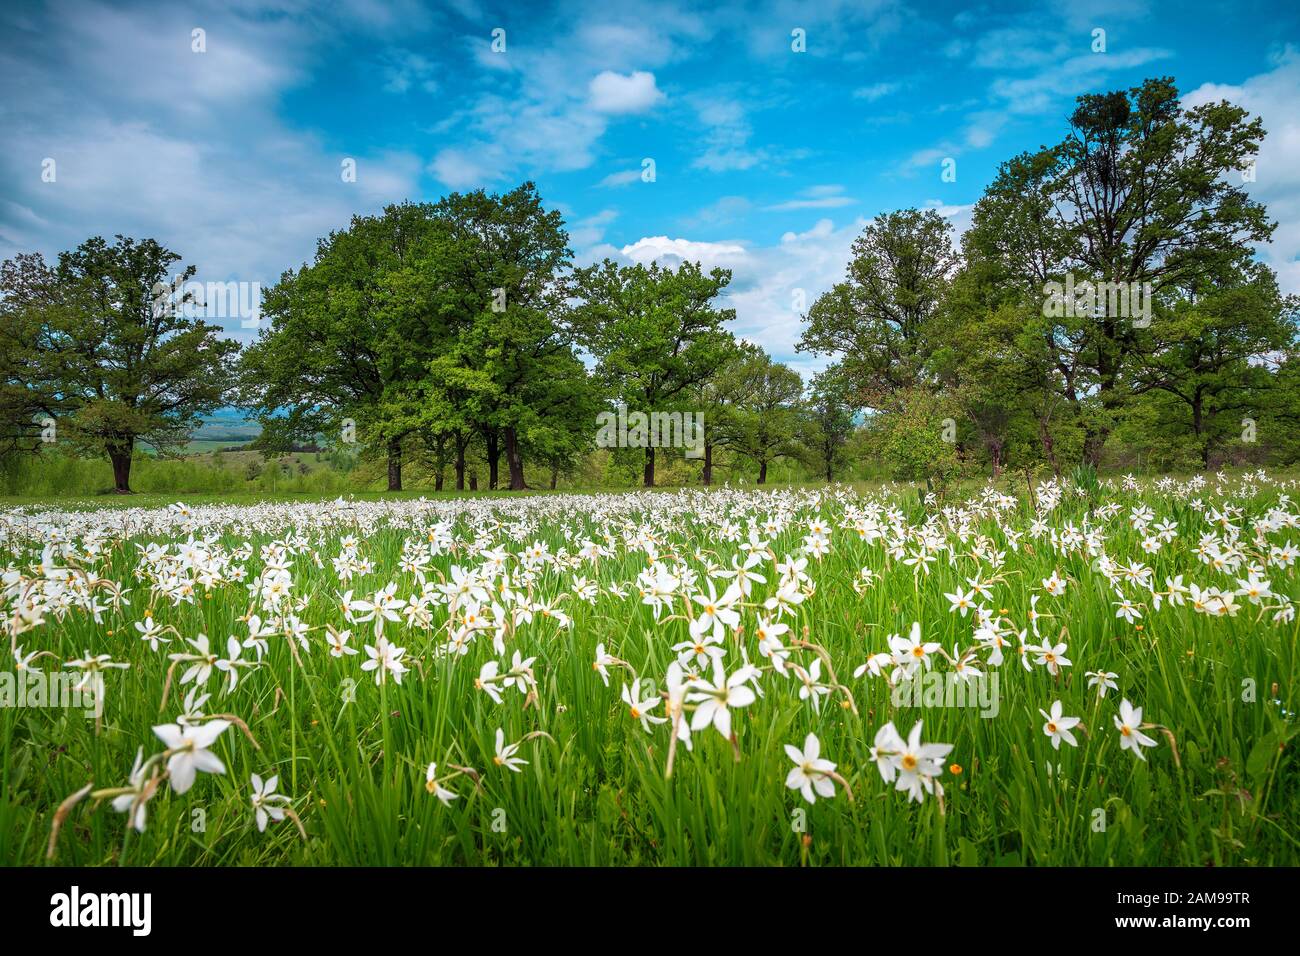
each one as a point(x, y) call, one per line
point(767, 161)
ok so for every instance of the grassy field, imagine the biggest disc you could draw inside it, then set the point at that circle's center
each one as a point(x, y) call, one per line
point(582, 631)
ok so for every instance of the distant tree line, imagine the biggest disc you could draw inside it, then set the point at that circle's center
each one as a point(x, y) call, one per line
point(460, 331)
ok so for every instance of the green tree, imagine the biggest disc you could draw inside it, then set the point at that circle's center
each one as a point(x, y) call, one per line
point(350, 337)
point(117, 346)
point(655, 333)
point(917, 438)
point(505, 266)
point(1141, 190)
point(1212, 351)
point(31, 307)
point(718, 399)
point(767, 415)
point(827, 423)
point(878, 322)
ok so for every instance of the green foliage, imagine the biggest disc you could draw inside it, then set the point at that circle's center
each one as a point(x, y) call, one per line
point(880, 321)
point(914, 440)
point(657, 337)
point(115, 344)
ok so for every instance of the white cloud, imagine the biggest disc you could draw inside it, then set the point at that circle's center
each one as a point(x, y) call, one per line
point(532, 119)
point(624, 177)
point(875, 91)
point(958, 213)
point(727, 136)
point(462, 169)
point(1068, 78)
point(668, 251)
point(188, 148)
point(587, 233)
point(768, 282)
point(815, 197)
point(1272, 97)
point(404, 70)
point(615, 93)
point(722, 210)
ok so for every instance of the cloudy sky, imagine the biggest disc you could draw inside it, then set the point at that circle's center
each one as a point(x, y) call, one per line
point(766, 160)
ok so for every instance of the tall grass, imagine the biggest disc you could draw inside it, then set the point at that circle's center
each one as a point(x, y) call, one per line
point(1220, 790)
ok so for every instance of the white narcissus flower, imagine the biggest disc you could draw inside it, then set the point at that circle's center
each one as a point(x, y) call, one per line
point(810, 773)
point(919, 764)
point(338, 641)
point(520, 674)
point(189, 750)
point(1103, 681)
point(677, 686)
point(911, 652)
point(602, 663)
point(1052, 656)
point(811, 687)
point(1129, 724)
point(434, 787)
point(716, 699)
point(267, 804)
point(640, 709)
point(487, 679)
point(887, 745)
point(1127, 610)
point(1058, 727)
point(141, 790)
point(961, 602)
point(384, 659)
point(505, 753)
point(716, 614)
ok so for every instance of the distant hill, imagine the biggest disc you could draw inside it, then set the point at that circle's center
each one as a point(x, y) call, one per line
point(227, 425)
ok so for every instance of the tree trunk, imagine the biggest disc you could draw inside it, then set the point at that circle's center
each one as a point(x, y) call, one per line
point(1093, 442)
point(762, 471)
point(121, 471)
point(555, 475)
point(492, 442)
point(394, 465)
point(1198, 426)
point(649, 480)
point(514, 462)
point(460, 464)
point(1049, 446)
point(1095, 436)
point(708, 463)
point(439, 461)
point(473, 479)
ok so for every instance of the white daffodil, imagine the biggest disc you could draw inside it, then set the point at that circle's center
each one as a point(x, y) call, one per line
point(1129, 725)
point(434, 787)
point(810, 774)
point(640, 709)
point(188, 752)
point(716, 699)
point(505, 753)
point(1058, 727)
point(267, 804)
